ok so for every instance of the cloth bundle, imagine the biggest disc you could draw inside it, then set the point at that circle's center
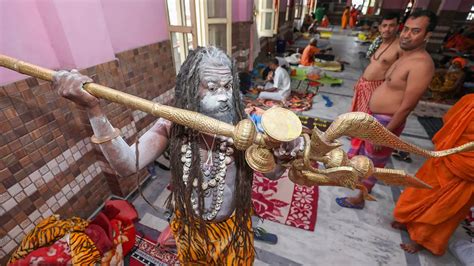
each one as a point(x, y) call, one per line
point(105, 239)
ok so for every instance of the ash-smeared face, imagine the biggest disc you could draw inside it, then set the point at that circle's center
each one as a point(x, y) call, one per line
point(215, 93)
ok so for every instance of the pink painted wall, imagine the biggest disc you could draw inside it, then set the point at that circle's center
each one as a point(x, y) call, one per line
point(451, 4)
point(466, 5)
point(242, 10)
point(135, 23)
point(86, 33)
point(23, 36)
point(422, 4)
point(58, 39)
point(458, 5)
point(283, 4)
point(394, 4)
point(78, 34)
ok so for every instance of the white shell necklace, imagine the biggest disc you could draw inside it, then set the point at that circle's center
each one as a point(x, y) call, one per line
point(214, 170)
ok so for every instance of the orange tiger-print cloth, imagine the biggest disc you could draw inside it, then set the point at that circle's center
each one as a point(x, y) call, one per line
point(222, 247)
point(51, 229)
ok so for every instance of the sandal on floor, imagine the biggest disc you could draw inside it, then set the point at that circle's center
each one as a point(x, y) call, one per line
point(402, 156)
point(343, 202)
point(329, 103)
point(262, 235)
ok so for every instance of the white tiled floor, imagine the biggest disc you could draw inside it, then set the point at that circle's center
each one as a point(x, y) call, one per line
point(342, 236)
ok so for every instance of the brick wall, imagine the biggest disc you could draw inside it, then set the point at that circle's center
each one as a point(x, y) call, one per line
point(47, 162)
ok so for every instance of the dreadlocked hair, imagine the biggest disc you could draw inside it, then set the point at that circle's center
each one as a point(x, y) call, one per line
point(186, 92)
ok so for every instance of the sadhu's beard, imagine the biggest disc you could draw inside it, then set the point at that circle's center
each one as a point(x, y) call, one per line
point(224, 112)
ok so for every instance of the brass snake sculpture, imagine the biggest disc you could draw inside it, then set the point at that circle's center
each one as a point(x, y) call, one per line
point(340, 170)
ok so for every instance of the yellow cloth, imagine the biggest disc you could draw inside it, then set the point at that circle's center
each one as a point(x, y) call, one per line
point(221, 248)
point(446, 81)
point(325, 34)
point(329, 66)
point(431, 216)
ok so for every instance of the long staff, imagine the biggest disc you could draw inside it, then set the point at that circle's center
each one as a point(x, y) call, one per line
point(286, 127)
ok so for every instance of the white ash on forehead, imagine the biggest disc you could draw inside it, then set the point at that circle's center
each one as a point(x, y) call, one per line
point(214, 57)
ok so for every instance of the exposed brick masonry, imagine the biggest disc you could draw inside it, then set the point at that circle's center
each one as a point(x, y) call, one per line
point(47, 162)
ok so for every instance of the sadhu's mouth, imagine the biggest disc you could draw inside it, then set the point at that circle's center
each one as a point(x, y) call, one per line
point(224, 108)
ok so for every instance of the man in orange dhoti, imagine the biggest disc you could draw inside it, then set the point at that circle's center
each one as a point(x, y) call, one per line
point(307, 58)
point(345, 18)
point(431, 216)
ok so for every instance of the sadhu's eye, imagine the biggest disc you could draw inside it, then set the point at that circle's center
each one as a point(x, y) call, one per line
point(212, 87)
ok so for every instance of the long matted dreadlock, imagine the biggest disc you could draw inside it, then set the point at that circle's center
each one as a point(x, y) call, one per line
point(186, 97)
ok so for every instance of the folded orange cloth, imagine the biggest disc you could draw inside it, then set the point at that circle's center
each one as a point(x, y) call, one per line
point(431, 216)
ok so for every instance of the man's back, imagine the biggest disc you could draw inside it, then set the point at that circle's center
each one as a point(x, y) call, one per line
point(307, 58)
point(281, 81)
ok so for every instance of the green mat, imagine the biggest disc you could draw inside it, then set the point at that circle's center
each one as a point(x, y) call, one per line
point(328, 80)
point(301, 74)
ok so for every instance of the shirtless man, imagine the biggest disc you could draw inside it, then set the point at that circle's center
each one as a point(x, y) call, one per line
point(211, 182)
point(380, 60)
point(382, 56)
point(405, 82)
point(383, 52)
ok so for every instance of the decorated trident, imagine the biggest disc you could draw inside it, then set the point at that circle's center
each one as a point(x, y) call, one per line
point(279, 125)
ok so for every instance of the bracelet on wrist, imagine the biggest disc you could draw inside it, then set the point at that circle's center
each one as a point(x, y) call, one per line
point(101, 140)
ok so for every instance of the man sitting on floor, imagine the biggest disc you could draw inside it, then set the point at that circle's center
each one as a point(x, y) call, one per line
point(311, 51)
point(447, 82)
point(432, 215)
point(307, 58)
point(278, 87)
point(325, 23)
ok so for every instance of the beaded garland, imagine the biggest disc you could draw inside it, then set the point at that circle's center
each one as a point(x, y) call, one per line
point(374, 46)
point(214, 171)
